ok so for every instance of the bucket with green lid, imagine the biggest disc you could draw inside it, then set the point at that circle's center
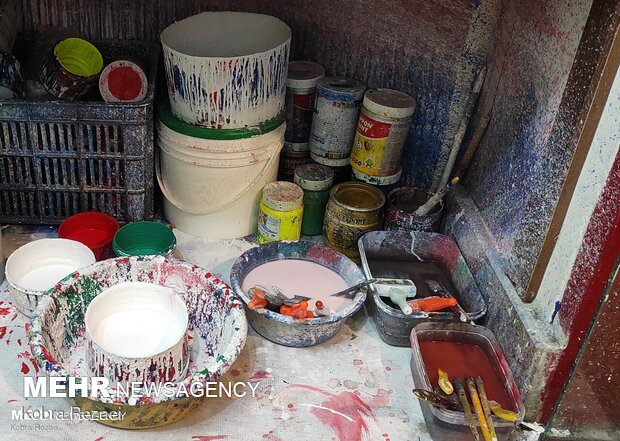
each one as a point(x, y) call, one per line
point(143, 239)
point(212, 179)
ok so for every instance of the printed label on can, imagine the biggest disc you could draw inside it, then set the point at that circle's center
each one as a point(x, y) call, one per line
point(333, 128)
point(268, 227)
point(299, 110)
point(371, 140)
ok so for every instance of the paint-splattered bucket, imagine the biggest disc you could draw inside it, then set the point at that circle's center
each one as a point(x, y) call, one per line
point(123, 81)
point(212, 179)
point(95, 230)
point(137, 332)
point(72, 69)
point(354, 208)
point(381, 134)
point(11, 79)
point(226, 69)
point(337, 107)
point(402, 202)
point(144, 238)
point(300, 87)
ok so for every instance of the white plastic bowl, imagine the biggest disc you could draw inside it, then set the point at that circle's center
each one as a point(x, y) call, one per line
point(36, 267)
point(136, 332)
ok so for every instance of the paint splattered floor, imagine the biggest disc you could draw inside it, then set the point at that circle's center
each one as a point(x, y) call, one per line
point(352, 388)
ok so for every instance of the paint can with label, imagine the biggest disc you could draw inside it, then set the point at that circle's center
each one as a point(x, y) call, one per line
point(337, 107)
point(381, 134)
point(386, 184)
point(280, 213)
point(354, 208)
point(289, 161)
point(300, 88)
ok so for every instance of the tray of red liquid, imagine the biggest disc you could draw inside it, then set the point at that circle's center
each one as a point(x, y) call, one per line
point(462, 350)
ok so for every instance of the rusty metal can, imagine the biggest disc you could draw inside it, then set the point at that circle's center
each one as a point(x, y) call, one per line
point(354, 208)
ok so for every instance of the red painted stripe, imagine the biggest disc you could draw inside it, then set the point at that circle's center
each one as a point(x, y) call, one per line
point(591, 272)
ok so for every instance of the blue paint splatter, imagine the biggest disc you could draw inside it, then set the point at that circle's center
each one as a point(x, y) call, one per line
point(558, 305)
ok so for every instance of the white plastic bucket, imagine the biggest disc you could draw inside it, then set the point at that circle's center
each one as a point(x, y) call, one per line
point(212, 188)
point(226, 69)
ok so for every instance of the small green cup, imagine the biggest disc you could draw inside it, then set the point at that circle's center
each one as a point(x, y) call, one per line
point(144, 239)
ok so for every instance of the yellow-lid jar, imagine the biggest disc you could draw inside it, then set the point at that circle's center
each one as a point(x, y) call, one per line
point(280, 212)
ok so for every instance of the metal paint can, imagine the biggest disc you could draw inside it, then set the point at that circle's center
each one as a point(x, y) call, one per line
point(315, 180)
point(72, 69)
point(280, 212)
point(381, 133)
point(385, 184)
point(289, 161)
point(123, 80)
point(337, 107)
point(354, 208)
point(402, 203)
point(300, 87)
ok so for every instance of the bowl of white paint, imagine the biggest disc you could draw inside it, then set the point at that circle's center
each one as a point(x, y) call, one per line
point(136, 332)
point(36, 267)
point(298, 268)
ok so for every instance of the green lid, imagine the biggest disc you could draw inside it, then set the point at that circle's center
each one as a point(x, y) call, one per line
point(314, 177)
point(144, 239)
point(168, 119)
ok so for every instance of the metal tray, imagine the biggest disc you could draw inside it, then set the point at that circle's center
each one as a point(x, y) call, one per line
point(393, 326)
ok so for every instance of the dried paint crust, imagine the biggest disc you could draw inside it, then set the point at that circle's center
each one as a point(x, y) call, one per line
point(216, 319)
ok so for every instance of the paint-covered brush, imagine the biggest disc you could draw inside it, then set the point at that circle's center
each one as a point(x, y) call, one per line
point(475, 399)
point(486, 408)
point(438, 400)
point(423, 210)
point(321, 310)
point(441, 292)
point(504, 414)
point(458, 385)
point(399, 298)
point(433, 303)
point(274, 296)
point(384, 285)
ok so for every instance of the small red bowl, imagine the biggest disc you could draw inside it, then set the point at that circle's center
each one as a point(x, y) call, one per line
point(93, 229)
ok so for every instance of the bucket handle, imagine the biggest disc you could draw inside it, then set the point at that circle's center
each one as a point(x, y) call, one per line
point(212, 210)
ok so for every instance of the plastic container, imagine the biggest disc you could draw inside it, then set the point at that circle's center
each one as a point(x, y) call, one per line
point(89, 156)
point(280, 213)
point(402, 203)
point(445, 425)
point(144, 239)
point(226, 70)
point(72, 70)
point(33, 269)
point(123, 81)
point(396, 254)
point(300, 87)
point(212, 179)
point(381, 133)
point(354, 208)
point(337, 106)
point(137, 332)
point(95, 230)
point(316, 181)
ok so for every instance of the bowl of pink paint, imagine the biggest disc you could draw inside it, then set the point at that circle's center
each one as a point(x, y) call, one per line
point(298, 269)
point(137, 332)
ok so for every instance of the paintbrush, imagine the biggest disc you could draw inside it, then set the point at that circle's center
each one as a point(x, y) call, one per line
point(475, 399)
point(486, 408)
point(458, 385)
point(423, 210)
point(437, 400)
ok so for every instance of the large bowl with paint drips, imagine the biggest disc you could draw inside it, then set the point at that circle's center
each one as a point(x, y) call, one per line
point(216, 324)
point(286, 330)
